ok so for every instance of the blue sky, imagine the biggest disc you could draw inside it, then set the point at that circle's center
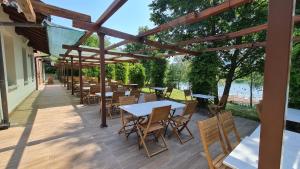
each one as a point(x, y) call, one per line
point(132, 15)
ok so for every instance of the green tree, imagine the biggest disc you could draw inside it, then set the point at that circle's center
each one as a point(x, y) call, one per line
point(110, 71)
point(233, 64)
point(137, 74)
point(158, 71)
point(121, 72)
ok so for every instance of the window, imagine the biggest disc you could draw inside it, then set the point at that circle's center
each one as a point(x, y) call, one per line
point(10, 61)
point(31, 67)
point(25, 71)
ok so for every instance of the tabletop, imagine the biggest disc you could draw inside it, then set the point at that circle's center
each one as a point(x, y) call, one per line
point(158, 88)
point(144, 109)
point(109, 94)
point(245, 155)
point(293, 115)
point(203, 96)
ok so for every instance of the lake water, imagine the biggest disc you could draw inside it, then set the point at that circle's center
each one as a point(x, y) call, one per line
point(241, 90)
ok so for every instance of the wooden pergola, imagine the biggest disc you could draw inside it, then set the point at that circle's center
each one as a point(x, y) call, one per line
point(277, 62)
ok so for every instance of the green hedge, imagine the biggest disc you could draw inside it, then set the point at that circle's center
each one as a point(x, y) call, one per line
point(137, 74)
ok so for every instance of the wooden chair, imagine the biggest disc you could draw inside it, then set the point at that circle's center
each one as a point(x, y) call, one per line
point(150, 98)
point(115, 99)
point(180, 122)
point(136, 93)
point(215, 109)
point(127, 120)
point(228, 126)
point(168, 92)
point(155, 126)
point(108, 105)
point(210, 135)
point(187, 93)
point(92, 93)
point(114, 87)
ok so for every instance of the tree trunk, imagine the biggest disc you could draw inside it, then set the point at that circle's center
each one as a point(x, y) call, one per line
point(228, 83)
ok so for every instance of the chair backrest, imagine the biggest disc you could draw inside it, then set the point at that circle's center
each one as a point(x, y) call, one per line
point(259, 109)
point(114, 87)
point(121, 89)
point(126, 100)
point(228, 126)
point(160, 114)
point(108, 89)
point(187, 93)
point(135, 93)
point(116, 95)
point(190, 108)
point(95, 89)
point(210, 134)
point(150, 97)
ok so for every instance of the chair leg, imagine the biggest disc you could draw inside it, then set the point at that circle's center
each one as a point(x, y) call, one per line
point(178, 131)
point(142, 142)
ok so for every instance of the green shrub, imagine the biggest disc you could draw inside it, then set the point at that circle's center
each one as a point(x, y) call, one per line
point(137, 74)
point(121, 72)
point(110, 71)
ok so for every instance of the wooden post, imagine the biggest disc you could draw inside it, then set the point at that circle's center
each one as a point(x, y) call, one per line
point(64, 80)
point(72, 76)
point(36, 73)
point(276, 77)
point(67, 70)
point(80, 76)
point(102, 79)
point(99, 76)
point(5, 122)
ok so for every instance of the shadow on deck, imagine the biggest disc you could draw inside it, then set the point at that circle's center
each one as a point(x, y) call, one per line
point(51, 130)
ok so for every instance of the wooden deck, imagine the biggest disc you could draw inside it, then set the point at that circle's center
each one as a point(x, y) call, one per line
point(51, 131)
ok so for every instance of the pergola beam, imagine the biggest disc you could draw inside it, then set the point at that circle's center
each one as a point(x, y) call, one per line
point(118, 54)
point(190, 18)
point(27, 10)
point(231, 35)
point(57, 11)
point(129, 37)
point(104, 17)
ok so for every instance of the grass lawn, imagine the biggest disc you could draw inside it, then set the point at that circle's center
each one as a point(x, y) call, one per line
point(237, 110)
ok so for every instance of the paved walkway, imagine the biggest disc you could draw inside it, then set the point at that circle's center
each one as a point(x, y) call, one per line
point(50, 130)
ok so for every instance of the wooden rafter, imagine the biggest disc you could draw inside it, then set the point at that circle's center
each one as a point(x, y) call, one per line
point(21, 24)
point(230, 35)
point(129, 37)
point(27, 10)
point(57, 11)
point(191, 18)
point(118, 54)
point(104, 17)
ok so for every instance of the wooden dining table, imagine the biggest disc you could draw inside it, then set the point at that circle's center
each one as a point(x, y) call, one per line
point(245, 155)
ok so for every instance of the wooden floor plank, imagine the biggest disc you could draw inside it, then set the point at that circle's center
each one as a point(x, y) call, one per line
point(51, 130)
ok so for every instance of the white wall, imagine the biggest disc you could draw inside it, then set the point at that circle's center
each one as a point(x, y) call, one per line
point(16, 96)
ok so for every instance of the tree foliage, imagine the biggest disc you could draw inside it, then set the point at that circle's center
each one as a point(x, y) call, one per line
point(110, 71)
point(232, 64)
point(121, 72)
point(158, 70)
point(136, 74)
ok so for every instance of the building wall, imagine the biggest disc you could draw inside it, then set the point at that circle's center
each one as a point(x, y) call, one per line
point(18, 92)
